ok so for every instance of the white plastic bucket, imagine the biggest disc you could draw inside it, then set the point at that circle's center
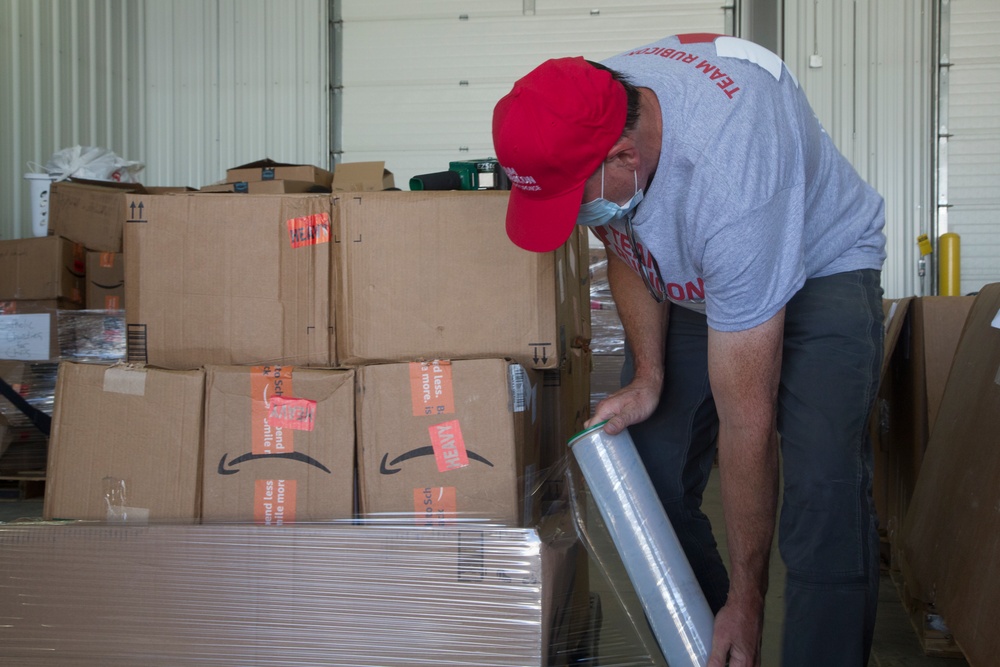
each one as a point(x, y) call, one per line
point(39, 184)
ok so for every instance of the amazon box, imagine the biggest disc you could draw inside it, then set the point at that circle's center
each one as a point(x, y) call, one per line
point(105, 281)
point(424, 275)
point(49, 267)
point(440, 441)
point(228, 279)
point(125, 444)
point(269, 170)
point(279, 444)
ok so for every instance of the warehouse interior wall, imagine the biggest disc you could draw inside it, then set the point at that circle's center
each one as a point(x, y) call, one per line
point(187, 87)
point(192, 87)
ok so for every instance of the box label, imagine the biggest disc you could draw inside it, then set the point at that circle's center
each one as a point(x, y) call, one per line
point(107, 260)
point(449, 446)
point(431, 388)
point(309, 230)
point(294, 413)
point(25, 337)
point(274, 501)
point(268, 383)
point(434, 505)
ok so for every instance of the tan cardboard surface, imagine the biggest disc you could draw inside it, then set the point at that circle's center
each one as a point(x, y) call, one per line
point(950, 543)
point(228, 279)
point(433, 275)
point(50, 267)
point(443, 440)
point(362, 177)
point(125, 442)
point(105, 281)
point(279, 444)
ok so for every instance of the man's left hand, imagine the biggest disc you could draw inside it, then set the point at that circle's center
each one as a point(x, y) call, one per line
point(737, 635)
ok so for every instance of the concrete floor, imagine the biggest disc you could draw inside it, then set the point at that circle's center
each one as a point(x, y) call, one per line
point(895, 644)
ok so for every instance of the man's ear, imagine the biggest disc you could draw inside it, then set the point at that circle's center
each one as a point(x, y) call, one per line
point(624, 153)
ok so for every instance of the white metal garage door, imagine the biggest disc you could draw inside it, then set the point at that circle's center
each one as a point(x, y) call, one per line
point(420, 79)
point(969, 173)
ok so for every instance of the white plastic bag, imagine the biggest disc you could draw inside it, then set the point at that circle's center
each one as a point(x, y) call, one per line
point(92, 162)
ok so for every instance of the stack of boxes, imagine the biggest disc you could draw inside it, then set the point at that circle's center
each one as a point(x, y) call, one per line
point(382, 357)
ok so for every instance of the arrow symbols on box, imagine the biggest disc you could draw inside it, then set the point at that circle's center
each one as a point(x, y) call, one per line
point(135, 216)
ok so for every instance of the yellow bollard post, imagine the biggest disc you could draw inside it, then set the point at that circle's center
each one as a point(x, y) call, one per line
point(949, 265)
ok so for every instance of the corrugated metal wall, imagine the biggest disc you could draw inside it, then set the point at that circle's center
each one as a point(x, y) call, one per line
point(420, 79)
point(189, 87)
point(970, 129)
point(230, 81)
point(71, 74)
point(870, 85)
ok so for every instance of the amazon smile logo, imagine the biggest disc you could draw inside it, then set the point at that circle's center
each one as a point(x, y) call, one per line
point(232, 468)
point(385, 469)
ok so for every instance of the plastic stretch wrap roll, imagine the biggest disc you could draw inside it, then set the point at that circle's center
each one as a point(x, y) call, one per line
point(663, 579)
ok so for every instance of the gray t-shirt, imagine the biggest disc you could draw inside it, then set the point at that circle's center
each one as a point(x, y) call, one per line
point(750, 197)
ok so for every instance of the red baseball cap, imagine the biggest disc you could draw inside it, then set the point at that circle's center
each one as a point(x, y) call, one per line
point(550, 133)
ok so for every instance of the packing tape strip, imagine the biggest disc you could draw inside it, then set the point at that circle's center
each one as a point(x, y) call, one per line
point(125, 380)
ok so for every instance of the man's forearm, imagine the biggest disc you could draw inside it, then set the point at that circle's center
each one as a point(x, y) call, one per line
point(643, 320)
point(748, 466)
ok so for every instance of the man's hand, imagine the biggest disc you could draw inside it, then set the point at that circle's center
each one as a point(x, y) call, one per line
point(737, 636)
point(629, 405)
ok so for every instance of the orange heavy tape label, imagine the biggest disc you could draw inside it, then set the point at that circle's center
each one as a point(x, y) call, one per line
point(294, 413)
point(449, 447)
point(268, 383)
point(431, 388)
point(309, 230)
point(112, 303)
point(274, 501)
point(434, 505)
point(107, 260)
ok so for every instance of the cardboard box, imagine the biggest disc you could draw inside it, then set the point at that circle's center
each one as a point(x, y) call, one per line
point(269, 170)
point(439, 441)
point(267, 187)
point(913, 382)
point(949, 537)
point(125, 444)
point(228, 279)
point(105, 281)
point(279, 444)
point(90, 212)
point(338, 596)
point(362, 177)
point(433, 275)
point(49, 267)
point(29, 330)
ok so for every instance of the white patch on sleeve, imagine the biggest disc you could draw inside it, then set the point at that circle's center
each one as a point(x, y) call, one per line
point(734, 47)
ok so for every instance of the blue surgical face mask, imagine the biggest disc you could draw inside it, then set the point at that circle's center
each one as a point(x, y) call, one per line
point(600, 211)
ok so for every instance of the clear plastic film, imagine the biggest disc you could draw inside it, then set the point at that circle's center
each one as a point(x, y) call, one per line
point(661, 575)
point(96, 336)
point(23, 448)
